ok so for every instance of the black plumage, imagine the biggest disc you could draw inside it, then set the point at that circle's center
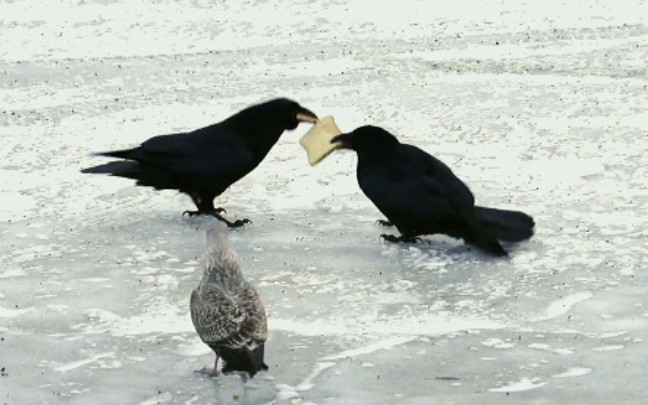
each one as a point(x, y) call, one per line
point(226, 310)
point(205, 162)
point(420, 195)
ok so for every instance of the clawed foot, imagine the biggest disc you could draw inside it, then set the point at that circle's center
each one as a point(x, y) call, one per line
point(215, 211)
point(208, 371)
point(399, 239)
point(382, 222)
point(236, 224)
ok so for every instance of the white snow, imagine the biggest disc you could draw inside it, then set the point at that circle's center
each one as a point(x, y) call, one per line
point(385, 344)
point(574, 372)
point(538, 106)
point(524, 384)
point(562, 306)
point(81, 363)
point(11, 313)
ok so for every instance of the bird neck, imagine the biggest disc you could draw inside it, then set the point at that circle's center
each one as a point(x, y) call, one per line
point(375, 155)
point(220, 263)
point(261, 142)
point(258, 136)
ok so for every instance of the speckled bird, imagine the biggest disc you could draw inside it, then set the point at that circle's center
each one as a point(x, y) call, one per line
point(226, 309)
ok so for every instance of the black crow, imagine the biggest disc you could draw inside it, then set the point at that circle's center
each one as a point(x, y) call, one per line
point(226, 309)
point(205, 162)
point(419, 194)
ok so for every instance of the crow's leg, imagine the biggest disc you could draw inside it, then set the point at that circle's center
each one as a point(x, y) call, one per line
point(195, 213)
point(400, 239)
point(383, 222)
point(206, 207)
point(236, 224)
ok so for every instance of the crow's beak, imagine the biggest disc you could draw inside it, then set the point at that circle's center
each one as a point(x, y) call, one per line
point(343, 141)
point(306, 115)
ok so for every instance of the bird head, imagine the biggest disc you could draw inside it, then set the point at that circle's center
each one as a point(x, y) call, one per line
point(217, 233)
point(269, 120)
point(367, 141)
point(219, 261)
point(288, 113)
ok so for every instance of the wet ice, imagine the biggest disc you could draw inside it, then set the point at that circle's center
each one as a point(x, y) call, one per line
point(537, 107)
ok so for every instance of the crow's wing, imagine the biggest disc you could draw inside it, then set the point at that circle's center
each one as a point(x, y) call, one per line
point(411, 187)
point(189, 141)
point(438, 172)
point(196, 154)
point(224, 160)
point(440, 179)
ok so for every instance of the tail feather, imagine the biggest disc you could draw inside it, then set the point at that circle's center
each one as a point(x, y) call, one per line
point(485, 240)
point(150, 176)
point(510, 226)
point(257, 357)
point(243, 359)
point(115, 168)
point(129, 154)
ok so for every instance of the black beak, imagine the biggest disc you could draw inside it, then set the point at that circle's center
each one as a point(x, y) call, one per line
point(343, 141)
point(306, 115)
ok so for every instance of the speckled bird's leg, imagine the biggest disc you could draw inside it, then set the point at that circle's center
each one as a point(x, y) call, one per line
point(210, 372)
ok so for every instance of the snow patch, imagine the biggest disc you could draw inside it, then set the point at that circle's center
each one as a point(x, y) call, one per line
point(525, 384)
point(564, 305)
point(81, 363)
point(573, 372)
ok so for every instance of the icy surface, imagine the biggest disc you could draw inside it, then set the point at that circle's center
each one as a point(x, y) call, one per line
point(540, 107)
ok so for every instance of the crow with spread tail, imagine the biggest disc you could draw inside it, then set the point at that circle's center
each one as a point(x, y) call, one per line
point(227, 311)
point(420, 195)
point(205, 162)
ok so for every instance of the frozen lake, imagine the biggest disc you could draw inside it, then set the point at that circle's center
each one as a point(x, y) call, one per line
point(541, 108)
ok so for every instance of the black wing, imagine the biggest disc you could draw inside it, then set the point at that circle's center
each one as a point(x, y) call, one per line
point(416, 191)
point(441, 180)
point(197, 155)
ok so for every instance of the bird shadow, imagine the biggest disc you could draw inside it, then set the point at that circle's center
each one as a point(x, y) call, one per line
point(447, 248)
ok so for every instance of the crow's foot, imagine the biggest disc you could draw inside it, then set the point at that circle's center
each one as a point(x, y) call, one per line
point(382, 222)
point(399, 239)
point(215, 211)
point(238, 223)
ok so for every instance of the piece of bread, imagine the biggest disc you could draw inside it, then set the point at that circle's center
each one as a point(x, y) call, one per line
point(317, 141)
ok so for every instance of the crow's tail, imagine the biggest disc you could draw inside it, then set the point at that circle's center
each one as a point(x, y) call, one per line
point(117, 168)
point(483, 239)
point(510, 226)
point(159, 178)
point(130, 154)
